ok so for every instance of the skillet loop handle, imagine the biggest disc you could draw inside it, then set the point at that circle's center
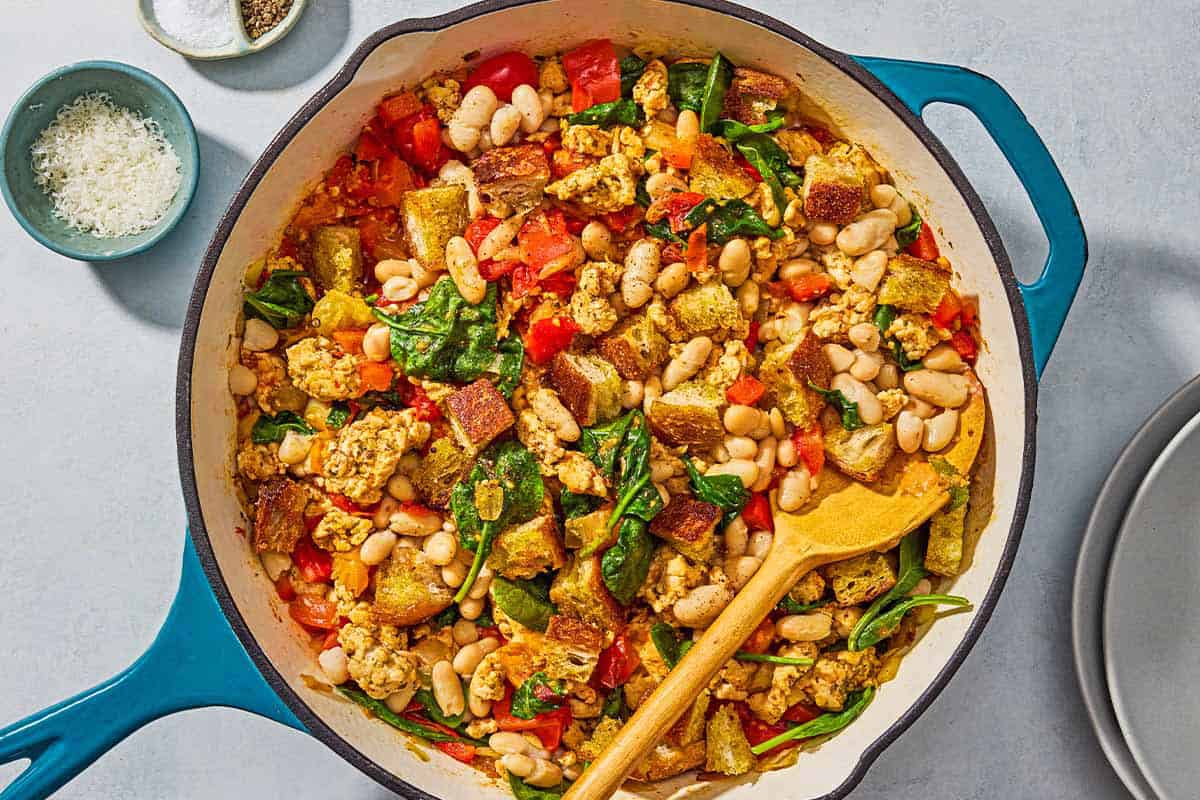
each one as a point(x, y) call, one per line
point(1047, 299)
point(196, 660)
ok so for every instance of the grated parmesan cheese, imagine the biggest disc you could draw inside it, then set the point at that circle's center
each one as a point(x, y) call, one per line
point(109, 171)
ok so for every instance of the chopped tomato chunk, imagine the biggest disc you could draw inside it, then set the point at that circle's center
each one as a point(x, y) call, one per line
point(369, 148)
point(478, 230)
point(545, 244)
point(459, 751)
point(809, 286)
point(948, 310)
point(810, 443)
point(964, 344)
point(745, 391)
point(548, 337)
point(594, 73)
point(760, 640)
point(752, 336)
point(398, 106)
point(350, 339)
point(925, 246)
point(375, 376)
point(617, 663)
point(284, 588)
point(696, 256)
point(757, 513)
point(547, 726)
point(314, 611)
point(392, 179)
point(503, 73)
point(315, 565)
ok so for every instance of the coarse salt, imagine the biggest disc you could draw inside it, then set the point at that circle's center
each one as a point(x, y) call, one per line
point(202, 24)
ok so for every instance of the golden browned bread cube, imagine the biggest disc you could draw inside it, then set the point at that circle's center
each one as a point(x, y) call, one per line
point(635, 347)
point(689, 414)
point(588, 386)
point(478, 414)
point(862, 453)
point(943, 554)
point(690, 526)
point(433, 217)
point(578, 590)
point(787, 372)
point(409, 588)
point(715, 174)
point(443, 466)
point(752, 94)
point(514, 176)
point(279, 515)
point(708, 309)
point(832, 191)
point(522, 551)
point(913, 284)
point(860, 579)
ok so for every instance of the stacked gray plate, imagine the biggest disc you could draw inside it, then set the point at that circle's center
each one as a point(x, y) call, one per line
point(1136, 595)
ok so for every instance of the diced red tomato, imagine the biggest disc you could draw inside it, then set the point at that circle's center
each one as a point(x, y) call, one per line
point(925, 246)
point(416, 398)
point(617, 662)
point(336, 177)
point(561, 284)
point(351, 507)
point(380, 235)
point(284, 588)
point(315, 565)
point(760, 640)
point(564, 162)
point(547, 337)
point(459, 751)
point(801, 713)
point(948, 310)
point(757, 513)
point(758, 731)
point(964, 344)
point(594, 73)
point(478, 230)
point(350, 339)
point(398, 106)
point(545, 243)
point(679, 205)
point(427, 141)
point(392, 179)
point(314, 611)
point(745, 391)
point(331, 639)
point(696, 256)
point(810, 444)
point(375, 376)
point(679, 154)
point(369, 148)
point(574, 225)
point(809, 286)
point(741, 161)
point(503, 73)
point(622, 220)
point(418, 137)
point(548, 726)
point(752, 337)
point(492, 270)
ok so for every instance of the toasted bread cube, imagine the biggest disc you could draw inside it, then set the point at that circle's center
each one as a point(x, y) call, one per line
point(409, 588)
point(512, 176)
point(944, 553)
point(635, 347)
point(728, 750)
point(588, 386)
point(690, 526)
point(689, 414)
point(860, 579)
point(605, 731)
point(715, 174)
point(279, 515)
point(913, 284)
point(809, 589)
point(832, 191)
point(752, 94)
point(799, 144)
point(590, 532)
point(868, 168)
point(862, 453)
point(787, 371)
point(522, 551)
point(667, 760)
point(433, 217)
point(572, 648)
point(337, 257)
point(709, 309)
point(478, 414)
point(579, 591)
point(690, 727)
point(443, 466)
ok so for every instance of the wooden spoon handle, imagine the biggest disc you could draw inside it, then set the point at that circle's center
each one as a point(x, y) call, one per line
point(683, 684)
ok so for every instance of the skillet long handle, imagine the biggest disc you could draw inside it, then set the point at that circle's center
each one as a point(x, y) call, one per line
point(658, 713)
point(194, 661)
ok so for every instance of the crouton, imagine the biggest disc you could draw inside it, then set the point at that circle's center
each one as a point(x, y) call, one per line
point(787, 371)
point(590, 533)
point(588, 386)
point(635, 347)
point(572, 648)
point(799, 144)
point(943, 554)
point(752, 94)
point(522, 551)
point(690, 526)
point(868, 168)
point(443, 466)
point(835, 675)
point(860, 579)
point(513, 176)
point(433, 217)
point(409, 588)
point(605, 731)
point(690, 727)
point(667, 760)
point(913, 284)
point(832, 191)
point(715, 174)
point(337, 257)
point(809, 589)
point(578, 590)
point(708, 309)
point(478, 414)
point(279, 515)
point(727, 750)
point(689, 414)
point(862, 453)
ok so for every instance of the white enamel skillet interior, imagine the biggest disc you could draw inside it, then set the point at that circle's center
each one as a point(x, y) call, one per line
point(217, 669)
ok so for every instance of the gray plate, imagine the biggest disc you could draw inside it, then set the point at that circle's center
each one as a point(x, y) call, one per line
point(1092, 568)
point(1150, 625)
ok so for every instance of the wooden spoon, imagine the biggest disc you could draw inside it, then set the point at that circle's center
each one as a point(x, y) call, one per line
point(845, 519)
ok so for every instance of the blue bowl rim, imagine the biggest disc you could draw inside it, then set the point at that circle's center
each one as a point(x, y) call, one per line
point(165, 225)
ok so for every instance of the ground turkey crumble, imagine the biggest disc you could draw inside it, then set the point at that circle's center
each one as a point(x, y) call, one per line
point(319, 367)
point(368, 451)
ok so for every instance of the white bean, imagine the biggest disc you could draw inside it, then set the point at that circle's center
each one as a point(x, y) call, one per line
point(794, 489)
point(641, 268)
point(545, 774)
point(882, 195)
point(866, 365)
point(242, 380)
point(888, 377)
point(447, 689)
point(471, 607)
point(760, 544)
point(415, 523)
point(804, 627)
point(920, 408)
point(527, 102)
point(550, 410)
point(392, 268)
point(734, 262)
point(274, 563)
point(377, 341)
point(745, 469)
point(294, 447)
point(741, 446)
point(793, 269)
point(401, 488)
point(335, 665)
point(441, 548)
point(483, 582)
point(454, 573)
point(701, 605)
point(467, 659)
point(632, 393)
point(505, 124)
point(867, 233)
point(500, 237)
point(398, 702)
point(651, 391)
point(910, 429)
point(823, 233)
point(839, 357)
point(735, 537)
point(473, 113)
point(943, 358)
point(902, 210)
point(400, 288)
point(377, 547)
point(765, 460)
point(662, 183)
point(740, 420)
point(868, 270)
point(464, 270)
point(748, 298)
point(597, 240)
point(778, 425)
point(741, 569)
point(865, 335)
point(508, 742)
point(672, 279)
point(687, 126)
point(939, 388)
point(940, 430)
point(869, 407)
point(687, 363)
point(518, 764)
point(259, 336)
point(785, 453)
point(464, 632)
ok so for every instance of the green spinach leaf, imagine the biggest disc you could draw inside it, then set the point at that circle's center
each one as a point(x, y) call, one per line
point(733, 130)
point(578, 505)
point(636, 495)
point(526, 601)
point(885, 315)
point(910, 572)
point(884, 625)
point(641, 196)
point(537, 695)
point(771, 162)
point(825, 724)
point(716, 82)
point(434, 711)
point(902, 360)
point(338, 416)
point(789, 606)
point(380, 710)
point(616, 112)
point(685, 84)
point(723, 491)
point(670, 647)
point(510, 357)
point(632, 68)
point(615, 705)
point(268, 429)
point(523, 791)
point(767, 658)
point(734, 218)
point(281, 302)
point(958, 497)
point(445, 618)
point(851, 420)
point(909, 233)
point(624, 566)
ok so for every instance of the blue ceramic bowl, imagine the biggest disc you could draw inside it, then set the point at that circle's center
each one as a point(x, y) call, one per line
point(128, 86)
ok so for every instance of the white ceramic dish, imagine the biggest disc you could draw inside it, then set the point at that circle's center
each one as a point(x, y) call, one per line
point(239, 45)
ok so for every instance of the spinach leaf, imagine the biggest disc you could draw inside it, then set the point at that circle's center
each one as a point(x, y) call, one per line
point(380, 710)
point(528, 602)
point(735, 218)
point(624, 566)
point(615, 705)
point(510, 357)
point(911, 571)
point(716, 82)
point(885, 315)
point(641, 196)
point(662, 230)
point(733, 130)
point(771, 162)
point(958, 489)
point(636, 495)
point(825, 724)
point(723, 491)
point(512, 470)
point(602, 443)
point(281, 302)
point(523, 791)
point(767, 658)
point(789, 606)
point(537, 695)
point(445, 338)
point(434, 711)
point(851, 421)
point(616, 112)
point(268, 429)
point(902, 360)
point(632, 68)
point(909, 233)
point(685, 84)
point(670, 647)
point(485, 619)
point(339, 415)
point(445, 618)
point(884, 625)
point(578, 505)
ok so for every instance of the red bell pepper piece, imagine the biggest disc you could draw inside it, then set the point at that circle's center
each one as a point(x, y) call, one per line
point(416, 398)
point(284, 588)
point(392, 179)
point(696, 255)
point(925, 246)
point(547, 337)
point(616, 663)
point(810, 444)
point(331, 639)
point(964, 344)
point(314, 612)
point(752, 337)
point(594, 72)
point(809, 286)
point(351, 507)
point(369, 148)
point(758, 731)
point(949, 309)
point(503, 73)
point(459, 751)
point(745, 391)
point(478, 230)
point(315, 565)
point(801, 713)
point(622, 220)
point(544, 241)
point(741, 161)
point(757, 513)
point(548, 726)
point(760, 640)
point(375, 376)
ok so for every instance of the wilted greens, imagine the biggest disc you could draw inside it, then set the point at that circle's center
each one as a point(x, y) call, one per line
point(281, 302)
point(268, 429)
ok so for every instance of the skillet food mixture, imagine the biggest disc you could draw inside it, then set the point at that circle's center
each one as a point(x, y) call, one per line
point(527, 371)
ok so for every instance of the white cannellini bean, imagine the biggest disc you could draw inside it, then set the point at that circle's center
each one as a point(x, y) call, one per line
point(902, 210)
point(748, 295)
point(883, 195)
point(401, 488)
point(910, 429)
point(500, 237)
point(939, 388)
point(473, 113)
point(672, 279)
point(663, 493)
point(454, 573)
point(687, 126)
point(400, 288)
point(275, 564)
point(741, 420)
point(701, 605)
point(377, 341)
point(823, 233)
point(765, 461)
point(760, 544)
point(478, 706)
point(866, 365)
point(471, 607)
point(641, 268)
point(597, 240)
point(745, 469)
point(794, 489)
point(467, 659)
point(632, 393)
point(464, 632)
point(740, 447)
point(796, 267)
point(507, 742)
point(505, 124)
point(687, 363)
point(382, 517)
point(804, 627)
point(943, 358)
point(392, 268)
point(940, 430)
point(294, 447)
point(920, 407)
point(888, 377)
point(377, 547)
point(259, 336)
point(651, 391)
point(778, 424)
point(736, 537)
point(416, 523)
point(527, 102)
point(483, 582)
point(242, 380)
point(518, 764)
point(741, 569)
point(464, 270)
point(550, 410)
point(785, 453)
point(335, 665)
point(661, 183)
point(734, 262)
point(447, 689)
point(868, 270)
point(839, 357)
point(869, 407)
point(545, 774)
point(867, 233)
point(441, 548)
point(865, 336)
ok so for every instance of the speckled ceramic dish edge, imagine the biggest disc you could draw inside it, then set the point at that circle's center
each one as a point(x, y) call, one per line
point(242, 44)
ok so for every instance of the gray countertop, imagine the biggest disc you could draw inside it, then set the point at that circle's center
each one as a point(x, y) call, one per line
point(93, 517)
